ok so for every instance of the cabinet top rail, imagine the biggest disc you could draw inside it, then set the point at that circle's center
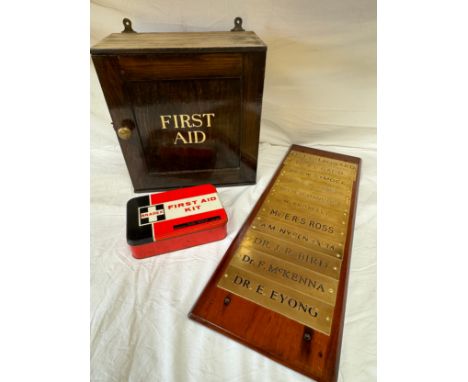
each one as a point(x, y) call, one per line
point(178, 41)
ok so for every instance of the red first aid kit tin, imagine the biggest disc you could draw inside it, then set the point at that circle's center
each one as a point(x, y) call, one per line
point(174, 220)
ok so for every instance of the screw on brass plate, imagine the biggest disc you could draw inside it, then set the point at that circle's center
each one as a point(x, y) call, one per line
point(338, 255)
point(327, 318)
point(307, 337)
point(227, 300)
point(330, 290)
point(335, 268)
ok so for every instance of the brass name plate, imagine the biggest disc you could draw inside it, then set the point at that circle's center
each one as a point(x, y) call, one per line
point(294, 253)
point(316, 197)
point(315, 210)
point(288, 274)
point(290, 258)
point(300, 236)
point(330, 229)
point(319, 161)
point(344, 181)
point(278, 297)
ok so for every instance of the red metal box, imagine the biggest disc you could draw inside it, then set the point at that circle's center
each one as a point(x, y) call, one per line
point(173, 220)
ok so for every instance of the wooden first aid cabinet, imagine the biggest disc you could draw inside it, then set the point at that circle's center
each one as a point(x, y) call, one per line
point(185, 106)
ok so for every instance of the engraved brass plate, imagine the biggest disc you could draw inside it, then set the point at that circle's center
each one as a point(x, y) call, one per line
point(333, 230)
point(290, 258)
point(299, 236)
point(313, 185)
point(318, 160)
point(314, 210)
point(294, 253)
point(315, 197)
point(326, 169)
point(279, 298)
point(294, 276)
point(325, 179)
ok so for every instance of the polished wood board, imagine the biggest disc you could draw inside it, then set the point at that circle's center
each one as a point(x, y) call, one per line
point(281, 287)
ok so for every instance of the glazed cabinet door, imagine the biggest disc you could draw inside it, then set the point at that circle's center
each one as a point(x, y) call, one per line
point(183, 119)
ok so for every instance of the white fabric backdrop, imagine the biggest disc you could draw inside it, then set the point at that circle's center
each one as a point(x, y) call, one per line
point(320, 91)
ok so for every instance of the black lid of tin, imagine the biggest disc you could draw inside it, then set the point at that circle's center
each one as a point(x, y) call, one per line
point(136, 234)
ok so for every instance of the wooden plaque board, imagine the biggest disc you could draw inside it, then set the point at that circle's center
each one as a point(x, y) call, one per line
point(281, 287)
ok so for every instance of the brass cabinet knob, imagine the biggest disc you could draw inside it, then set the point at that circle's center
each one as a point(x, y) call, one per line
point(124, 133)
